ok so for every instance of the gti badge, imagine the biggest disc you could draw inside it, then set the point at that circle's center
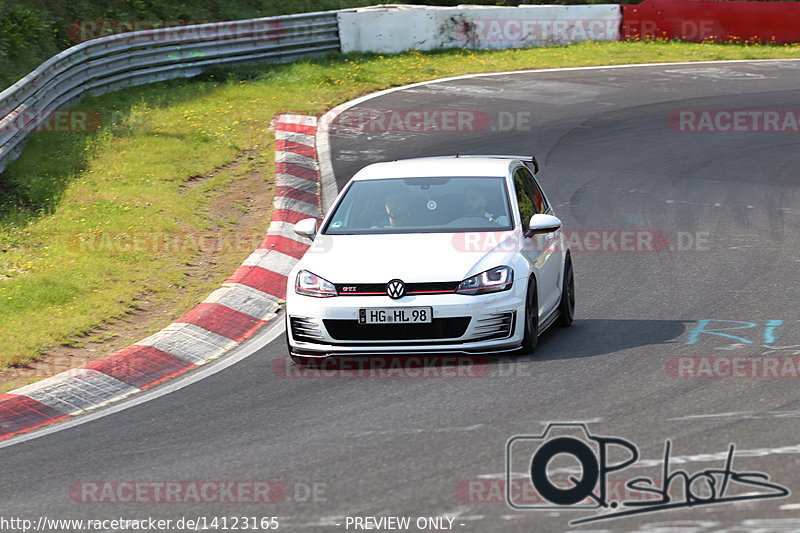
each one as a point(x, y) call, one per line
point(395, 289)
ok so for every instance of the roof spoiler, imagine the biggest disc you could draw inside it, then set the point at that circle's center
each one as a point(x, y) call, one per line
point(529, 160)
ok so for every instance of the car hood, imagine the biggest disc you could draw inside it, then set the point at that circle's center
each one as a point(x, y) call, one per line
point(413, 258)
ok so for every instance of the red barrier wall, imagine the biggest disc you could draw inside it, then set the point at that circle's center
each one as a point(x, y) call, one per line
point(699, 20)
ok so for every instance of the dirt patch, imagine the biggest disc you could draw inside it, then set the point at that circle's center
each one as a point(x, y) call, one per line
point(241, 207)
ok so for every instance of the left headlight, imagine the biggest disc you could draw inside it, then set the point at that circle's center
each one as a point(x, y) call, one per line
point(494, 280)
point(309, 284)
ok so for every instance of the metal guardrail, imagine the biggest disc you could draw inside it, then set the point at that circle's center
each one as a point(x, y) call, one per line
point(134, 58)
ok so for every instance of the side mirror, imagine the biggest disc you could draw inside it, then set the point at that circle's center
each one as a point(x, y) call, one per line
point(306, 228)
point(543, 224)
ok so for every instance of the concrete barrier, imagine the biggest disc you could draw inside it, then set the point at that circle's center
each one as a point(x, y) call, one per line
point(395, 29)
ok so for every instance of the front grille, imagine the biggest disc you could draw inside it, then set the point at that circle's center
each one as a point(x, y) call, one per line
point(305, 329)
point(497, 326)
point(439, 328)
point(379, 289)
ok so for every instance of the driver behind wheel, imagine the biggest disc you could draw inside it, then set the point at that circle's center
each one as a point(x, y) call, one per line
point(475, 205)
point(398, 210)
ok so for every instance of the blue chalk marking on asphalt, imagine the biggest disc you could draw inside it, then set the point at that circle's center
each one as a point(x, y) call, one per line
point(769, 331)
point(702, 324)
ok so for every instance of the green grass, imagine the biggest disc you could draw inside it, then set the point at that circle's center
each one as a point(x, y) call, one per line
point(131, 175)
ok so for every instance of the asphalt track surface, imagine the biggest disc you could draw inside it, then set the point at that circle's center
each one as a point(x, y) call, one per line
point(402, 447)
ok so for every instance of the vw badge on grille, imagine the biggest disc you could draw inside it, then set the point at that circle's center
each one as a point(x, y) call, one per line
point(395, 289)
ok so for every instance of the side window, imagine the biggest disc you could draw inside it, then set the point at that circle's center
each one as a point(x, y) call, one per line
point(538, 199)
point(539, 202)
point(524, 200)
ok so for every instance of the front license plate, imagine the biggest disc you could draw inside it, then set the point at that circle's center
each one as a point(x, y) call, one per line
point(395, 315)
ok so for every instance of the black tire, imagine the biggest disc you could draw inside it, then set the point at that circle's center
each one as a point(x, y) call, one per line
point(566, 307)
point(531, 319)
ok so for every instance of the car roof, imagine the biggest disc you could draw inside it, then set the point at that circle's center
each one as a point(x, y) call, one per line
point(436, 167)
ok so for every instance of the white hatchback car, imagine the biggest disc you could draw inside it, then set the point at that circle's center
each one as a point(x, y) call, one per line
point(434, 255)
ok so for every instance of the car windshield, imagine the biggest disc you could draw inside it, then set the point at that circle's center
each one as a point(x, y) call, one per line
point(422, 205)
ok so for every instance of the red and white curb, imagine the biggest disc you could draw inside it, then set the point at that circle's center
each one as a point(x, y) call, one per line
point(248, 300)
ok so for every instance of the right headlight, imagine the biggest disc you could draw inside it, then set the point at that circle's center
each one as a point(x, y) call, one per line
point(309, 284)
point(495, 280)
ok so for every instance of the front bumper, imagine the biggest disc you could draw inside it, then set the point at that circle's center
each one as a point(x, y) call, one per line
point(490, 323)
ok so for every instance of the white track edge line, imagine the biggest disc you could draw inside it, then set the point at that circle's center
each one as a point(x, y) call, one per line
point(241, 352)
